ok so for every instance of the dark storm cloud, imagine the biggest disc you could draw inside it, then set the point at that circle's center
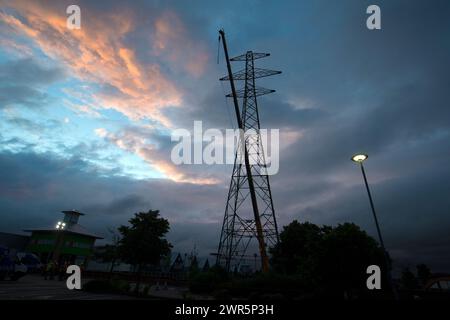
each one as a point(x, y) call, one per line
point(348, 90)
point(345, 88)
point(36, 188)
point(412, 210)
point(127, 203)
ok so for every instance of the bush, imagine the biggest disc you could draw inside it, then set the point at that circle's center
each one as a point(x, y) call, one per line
point(206, 282)
point(120, 285)
point(222, 294)
point(258, 286)
point(263, 285)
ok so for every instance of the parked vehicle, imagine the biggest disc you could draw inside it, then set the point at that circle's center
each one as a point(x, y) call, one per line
point(10, 266)
point(31, 261)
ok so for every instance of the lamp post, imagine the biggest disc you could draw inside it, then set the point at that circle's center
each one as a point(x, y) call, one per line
point(360, 158)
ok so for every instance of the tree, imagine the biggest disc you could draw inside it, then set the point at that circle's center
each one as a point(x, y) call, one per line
point(334, 259)
point(298, 247)
point(345, 254)
point(143, 242)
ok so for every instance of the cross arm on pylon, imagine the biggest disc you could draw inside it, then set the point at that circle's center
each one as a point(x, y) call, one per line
point(258, 73)
point(259, 91)
point(256, 55)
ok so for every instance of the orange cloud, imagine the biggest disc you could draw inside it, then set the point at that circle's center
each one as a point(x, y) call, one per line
point(98, 53)
point(14, 47)
point(172, 41)
point(148, 152)
point(101, 55)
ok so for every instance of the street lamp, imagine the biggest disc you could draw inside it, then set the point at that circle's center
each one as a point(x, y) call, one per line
point(360, 158)
point(60, 225)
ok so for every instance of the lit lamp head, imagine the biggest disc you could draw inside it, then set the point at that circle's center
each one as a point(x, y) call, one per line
point(359, 158)
point(60, 225)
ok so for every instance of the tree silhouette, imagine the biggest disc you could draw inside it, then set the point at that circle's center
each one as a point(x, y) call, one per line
point(346, 253)
point(334, 259)
point(143, 242)
point(298, 248)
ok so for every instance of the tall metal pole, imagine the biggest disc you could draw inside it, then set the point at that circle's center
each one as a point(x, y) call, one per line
point(259, 232)
point(386, 257)
point(373, 207)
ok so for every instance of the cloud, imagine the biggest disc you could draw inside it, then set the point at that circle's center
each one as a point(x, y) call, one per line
point(29, 71)
point(22, 95)
point(98, 53)
point(138, 142)
point(172, 41)
point(120, 206)
point(14, 47)
point(23, 82)
point(26, 179)
point(33, 126)
point(343, 89)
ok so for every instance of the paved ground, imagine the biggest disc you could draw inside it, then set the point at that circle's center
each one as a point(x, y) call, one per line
point(36, 288)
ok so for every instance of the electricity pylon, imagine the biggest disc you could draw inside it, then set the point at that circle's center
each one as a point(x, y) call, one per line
point(249, 180)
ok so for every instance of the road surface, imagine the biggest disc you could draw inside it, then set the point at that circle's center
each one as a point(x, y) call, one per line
point(34, 287)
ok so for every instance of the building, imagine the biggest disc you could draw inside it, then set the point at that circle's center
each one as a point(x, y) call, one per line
point(14, 241)
point(68, 241)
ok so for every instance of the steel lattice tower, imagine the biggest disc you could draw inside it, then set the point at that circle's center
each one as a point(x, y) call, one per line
point(249, 212)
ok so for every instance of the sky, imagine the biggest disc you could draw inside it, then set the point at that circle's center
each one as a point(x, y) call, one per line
point(86, 115)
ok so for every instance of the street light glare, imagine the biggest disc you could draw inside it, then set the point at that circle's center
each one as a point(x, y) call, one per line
point(359, 157)
point(60, 225)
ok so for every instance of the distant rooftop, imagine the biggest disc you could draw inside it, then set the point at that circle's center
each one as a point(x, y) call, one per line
point(75, 212)
point(72, 226)
point(75, 228)
point(72, 216)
